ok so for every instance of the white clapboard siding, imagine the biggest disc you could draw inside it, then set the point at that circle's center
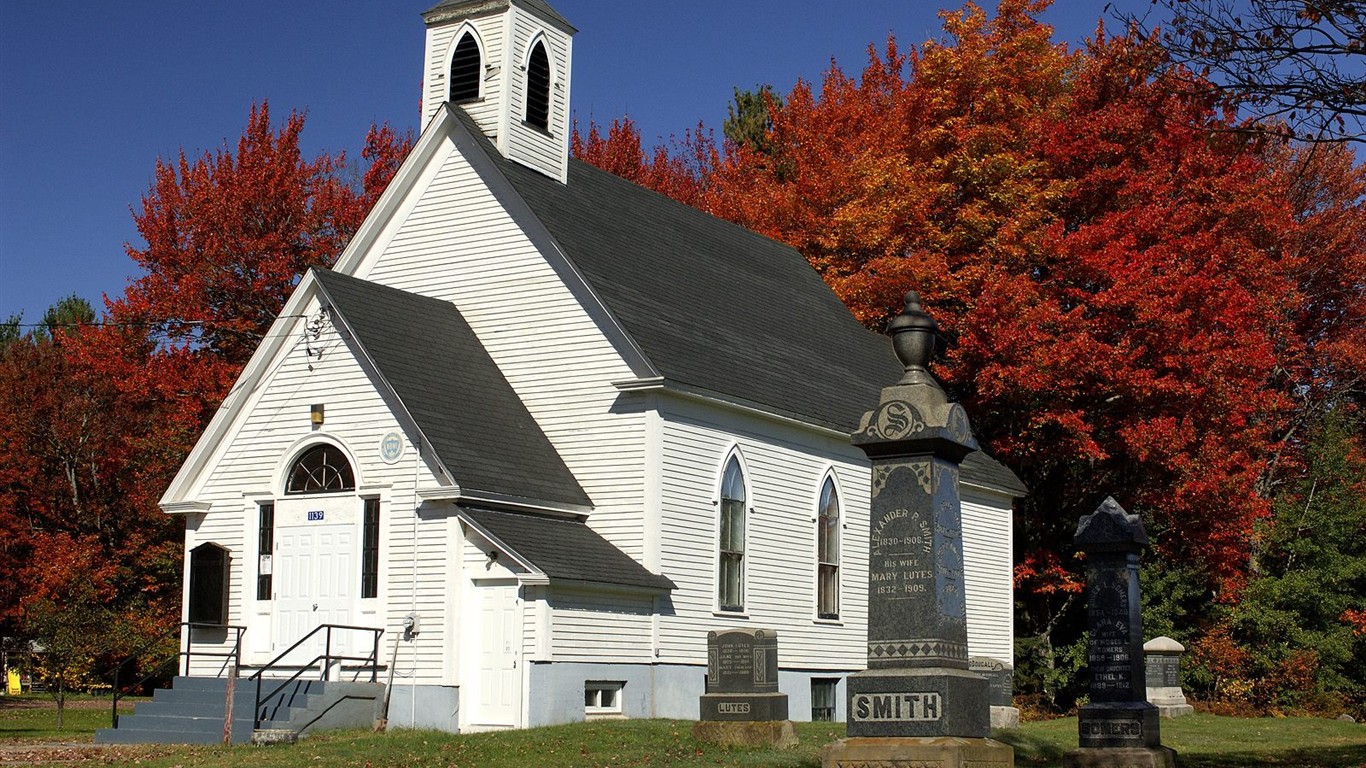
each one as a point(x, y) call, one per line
point(988, 574)
point(436, 84)
point(248, 467)
point(600, 627)
point(458, 244)
point(528, 145)
point(786, 467)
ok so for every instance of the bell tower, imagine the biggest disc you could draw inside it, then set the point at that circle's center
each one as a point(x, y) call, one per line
point(507, 64)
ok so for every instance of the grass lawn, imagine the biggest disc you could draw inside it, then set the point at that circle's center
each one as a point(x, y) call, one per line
point(1203, 741)
point(1209, 741)
point(33, 718)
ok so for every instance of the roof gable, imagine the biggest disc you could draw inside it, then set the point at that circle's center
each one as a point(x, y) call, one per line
point(454, 392)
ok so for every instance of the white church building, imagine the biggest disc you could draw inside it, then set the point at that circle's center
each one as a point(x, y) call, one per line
point(558, 426)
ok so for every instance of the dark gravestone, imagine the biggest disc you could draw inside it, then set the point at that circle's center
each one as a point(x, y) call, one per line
point(742, 676)
point(917, 688)
point(1000, 690)
point(1118, 726)
point(1000, 680)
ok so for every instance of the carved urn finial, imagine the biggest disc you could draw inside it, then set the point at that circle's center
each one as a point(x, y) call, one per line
point(913, 339)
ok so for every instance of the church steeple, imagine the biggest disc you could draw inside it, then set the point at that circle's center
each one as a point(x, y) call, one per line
point(506, 63)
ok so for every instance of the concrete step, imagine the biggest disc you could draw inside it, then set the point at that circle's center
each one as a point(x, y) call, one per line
point(192, 712)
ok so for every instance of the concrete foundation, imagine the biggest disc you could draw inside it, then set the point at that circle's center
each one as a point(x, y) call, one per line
point(935, 752)
point(1005, 717)
point(777, 734)
point(1127, 757)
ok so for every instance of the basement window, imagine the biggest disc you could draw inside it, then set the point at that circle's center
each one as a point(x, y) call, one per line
point(602, 698)
point(823, 692)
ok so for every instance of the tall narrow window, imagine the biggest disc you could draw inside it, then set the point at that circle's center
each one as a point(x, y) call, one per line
point(266, 552)
point(465, 70)
point(538, 88)
point(730, 595)
point(369, 550)
point(828, 552)
point(208, 585)
point(321, 469)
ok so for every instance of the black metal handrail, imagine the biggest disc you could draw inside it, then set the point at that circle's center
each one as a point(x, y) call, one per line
point(326, 658)
point(235, 655)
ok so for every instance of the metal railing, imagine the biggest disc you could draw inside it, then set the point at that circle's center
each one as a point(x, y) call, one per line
point(327, 657)
point(234, 657)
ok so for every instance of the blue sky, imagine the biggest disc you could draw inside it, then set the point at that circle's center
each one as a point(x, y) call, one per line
point(94, 92)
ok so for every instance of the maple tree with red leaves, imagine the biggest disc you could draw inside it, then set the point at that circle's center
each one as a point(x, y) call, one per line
point(1137, 300)
point(96, 419)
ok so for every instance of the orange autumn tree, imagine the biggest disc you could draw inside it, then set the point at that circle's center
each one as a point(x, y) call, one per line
point(1136, 301)
point(96, 420)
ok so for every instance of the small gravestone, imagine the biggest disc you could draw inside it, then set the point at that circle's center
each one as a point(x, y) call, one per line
point(742, 705)
point(1162, 667)
point(917, 703)
point(1000, 690)
point(1118, 727)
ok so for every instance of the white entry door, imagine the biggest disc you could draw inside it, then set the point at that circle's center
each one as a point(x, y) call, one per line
point(314, 585)
point(497, 694)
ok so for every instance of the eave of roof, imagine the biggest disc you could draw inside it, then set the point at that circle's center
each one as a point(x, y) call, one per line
point(480, 7)
point(563, 549)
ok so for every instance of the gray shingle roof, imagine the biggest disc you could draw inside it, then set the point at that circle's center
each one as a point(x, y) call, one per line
point(982, 469)
point(716, 306)
point(436, 366)
point(565, 549)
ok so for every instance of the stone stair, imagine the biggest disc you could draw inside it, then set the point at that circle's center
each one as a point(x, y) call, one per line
point(191, 711)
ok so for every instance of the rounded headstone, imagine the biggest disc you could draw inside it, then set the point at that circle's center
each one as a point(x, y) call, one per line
point(1163, 644)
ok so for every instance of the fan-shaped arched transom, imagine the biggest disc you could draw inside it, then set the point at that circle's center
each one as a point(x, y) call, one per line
point(321, 469)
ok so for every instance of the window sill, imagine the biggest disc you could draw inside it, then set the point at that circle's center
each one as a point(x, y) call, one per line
point(730, 614)
point(538, 129)
point(828, 622)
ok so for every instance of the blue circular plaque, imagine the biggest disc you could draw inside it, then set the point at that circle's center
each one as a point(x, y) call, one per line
point(391, 447)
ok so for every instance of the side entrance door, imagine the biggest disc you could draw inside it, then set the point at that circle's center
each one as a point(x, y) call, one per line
point(497, 679)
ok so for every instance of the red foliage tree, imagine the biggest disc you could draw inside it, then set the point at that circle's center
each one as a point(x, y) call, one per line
point(1137, 300)
point(95, 423)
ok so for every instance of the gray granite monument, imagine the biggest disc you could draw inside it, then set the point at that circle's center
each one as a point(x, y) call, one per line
point(742, 705)
point(1118, 727)
point(1162, 662)
point(917, 703)
point(1000, 690)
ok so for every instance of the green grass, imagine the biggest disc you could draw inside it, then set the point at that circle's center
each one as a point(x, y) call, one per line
point(1203, 741)
point(1209, 741)
point(22, 721)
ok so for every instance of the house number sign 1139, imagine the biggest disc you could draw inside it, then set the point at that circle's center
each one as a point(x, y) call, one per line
point(315, 515)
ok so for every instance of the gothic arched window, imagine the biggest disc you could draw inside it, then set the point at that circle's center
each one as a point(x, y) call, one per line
point(538, 87)
point(828, 552)
point(321, 469)
point(466, 70)
point(730, 577)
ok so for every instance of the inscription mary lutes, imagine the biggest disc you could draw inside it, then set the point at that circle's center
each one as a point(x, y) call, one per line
point(900, 551)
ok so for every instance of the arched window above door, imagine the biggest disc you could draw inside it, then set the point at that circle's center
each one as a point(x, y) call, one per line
point(321, 469)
